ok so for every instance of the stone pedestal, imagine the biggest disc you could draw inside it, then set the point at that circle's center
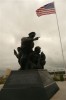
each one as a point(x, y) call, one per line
point(29, 85)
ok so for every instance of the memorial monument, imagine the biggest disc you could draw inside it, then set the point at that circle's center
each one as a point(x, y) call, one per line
point(27, 57)
point(31, 81)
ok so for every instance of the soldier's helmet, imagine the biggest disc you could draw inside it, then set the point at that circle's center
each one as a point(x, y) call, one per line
point(32, 34)
point(37, 49)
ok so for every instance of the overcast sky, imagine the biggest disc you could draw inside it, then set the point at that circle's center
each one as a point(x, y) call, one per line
point(18, 18)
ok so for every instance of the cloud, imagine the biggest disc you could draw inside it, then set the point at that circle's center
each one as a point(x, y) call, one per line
point(18, 18)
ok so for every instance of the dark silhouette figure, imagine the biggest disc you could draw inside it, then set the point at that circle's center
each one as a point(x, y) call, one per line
point(42, 60)
point(27, 57)
point(37, 59)
point(34, 58)
point(18, 54)
point(27, 43)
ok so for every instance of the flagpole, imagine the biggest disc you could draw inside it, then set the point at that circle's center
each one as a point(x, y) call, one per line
point(60, 42)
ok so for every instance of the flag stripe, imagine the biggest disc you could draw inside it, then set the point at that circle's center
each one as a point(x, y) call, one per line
point(45, 10)
point(43, 14)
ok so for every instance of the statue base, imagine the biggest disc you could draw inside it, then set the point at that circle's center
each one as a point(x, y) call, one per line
point(29, 85)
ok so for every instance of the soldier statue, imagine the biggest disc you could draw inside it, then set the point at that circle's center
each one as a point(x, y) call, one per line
point(27, 57)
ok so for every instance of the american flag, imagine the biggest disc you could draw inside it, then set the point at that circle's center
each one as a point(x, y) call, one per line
point(46, 9)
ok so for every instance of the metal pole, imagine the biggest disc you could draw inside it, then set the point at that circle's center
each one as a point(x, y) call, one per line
point(60, 41)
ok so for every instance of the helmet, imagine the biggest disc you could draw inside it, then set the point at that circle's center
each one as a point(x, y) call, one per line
point(32, 34)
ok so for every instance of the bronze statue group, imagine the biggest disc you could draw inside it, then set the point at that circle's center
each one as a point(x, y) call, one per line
point(28, 56)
